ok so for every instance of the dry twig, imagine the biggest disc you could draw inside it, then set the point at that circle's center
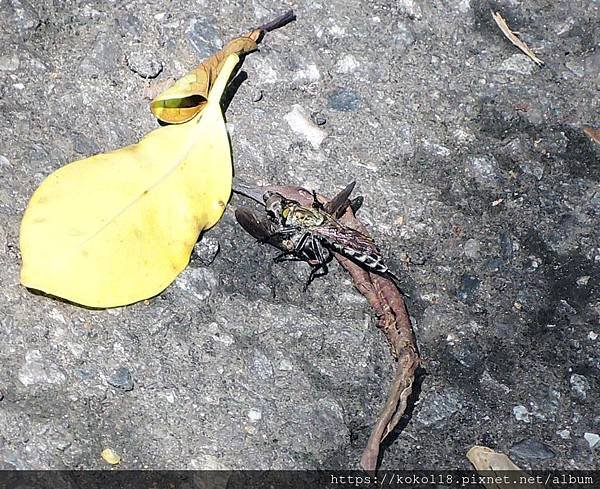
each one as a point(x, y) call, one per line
point(387, 301)
point(512, 37)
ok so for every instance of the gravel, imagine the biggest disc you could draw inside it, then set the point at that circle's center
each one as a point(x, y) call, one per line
point(121, 379)
point(480, 187)
point(532, 450)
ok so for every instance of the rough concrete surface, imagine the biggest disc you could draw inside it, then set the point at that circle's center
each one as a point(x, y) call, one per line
point(480, 186)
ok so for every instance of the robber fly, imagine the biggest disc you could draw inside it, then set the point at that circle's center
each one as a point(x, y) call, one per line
point(312, 233)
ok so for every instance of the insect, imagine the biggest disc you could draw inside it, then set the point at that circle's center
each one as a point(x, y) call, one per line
point(312, 233)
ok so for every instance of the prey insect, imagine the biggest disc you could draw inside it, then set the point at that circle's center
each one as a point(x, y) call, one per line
point(312, 233)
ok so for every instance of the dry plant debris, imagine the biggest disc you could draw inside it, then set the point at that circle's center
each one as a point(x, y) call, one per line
point(501, 470)
point(512, 37)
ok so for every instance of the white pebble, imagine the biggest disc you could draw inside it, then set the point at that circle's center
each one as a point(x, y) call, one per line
point(521, 413)
point(38, 370)
point(583, 280)
point(285, 365)
point(309, 74)
point(301, 124)
point(592, 439)
point(347, 64)
point(254, 415)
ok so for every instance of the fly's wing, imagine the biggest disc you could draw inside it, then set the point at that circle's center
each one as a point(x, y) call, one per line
point(338, 205)
point(261, 230)
point(345, 238)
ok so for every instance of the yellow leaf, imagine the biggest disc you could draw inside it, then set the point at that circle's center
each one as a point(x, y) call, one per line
point(118, 227)
point(188, 96)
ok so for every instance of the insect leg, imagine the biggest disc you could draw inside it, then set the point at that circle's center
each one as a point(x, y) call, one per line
point(317, 271)
point(318, 248)
point(320, 269)
point(298, 248)
point(284, 232)
point(286, 256)
point(316, 202)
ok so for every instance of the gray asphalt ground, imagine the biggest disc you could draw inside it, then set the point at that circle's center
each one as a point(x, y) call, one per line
point(480, 186)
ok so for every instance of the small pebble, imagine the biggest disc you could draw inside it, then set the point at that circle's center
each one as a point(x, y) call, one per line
point(517, 63)
point(132, 25)
point(531, 168)
point(506, 246)
point(200, 282)
point(494, 264)
point(468, 287)
point(404, 37)
point(308, 74)
point(261, 366)
point(144, 64)
point(84, 374)
point(206, 250)
point(318, 119)
point(254, 415)
point(564, 434)
point(531, 449)
point(257, 96)
point(21, 14)
point(301, 124)
point(285, 365)
point(37, 369)
point(592, 65)
point(471, 248)
point(344, 100)
point(121, 379)
point(410, 8)
point(110, 456)
point(103, 57)
point(439, 407)
point(347, 64)
point(592, 439)
point(565, 308)
point(483, 168)
point(583, 280)
point(579, 386)
point(9, 63)
point(522, 414)
point(576, 67)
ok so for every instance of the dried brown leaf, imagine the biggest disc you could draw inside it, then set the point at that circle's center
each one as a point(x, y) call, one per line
point(387, 301)
point(497, 467)
point(188, 96)
point(593, 134)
